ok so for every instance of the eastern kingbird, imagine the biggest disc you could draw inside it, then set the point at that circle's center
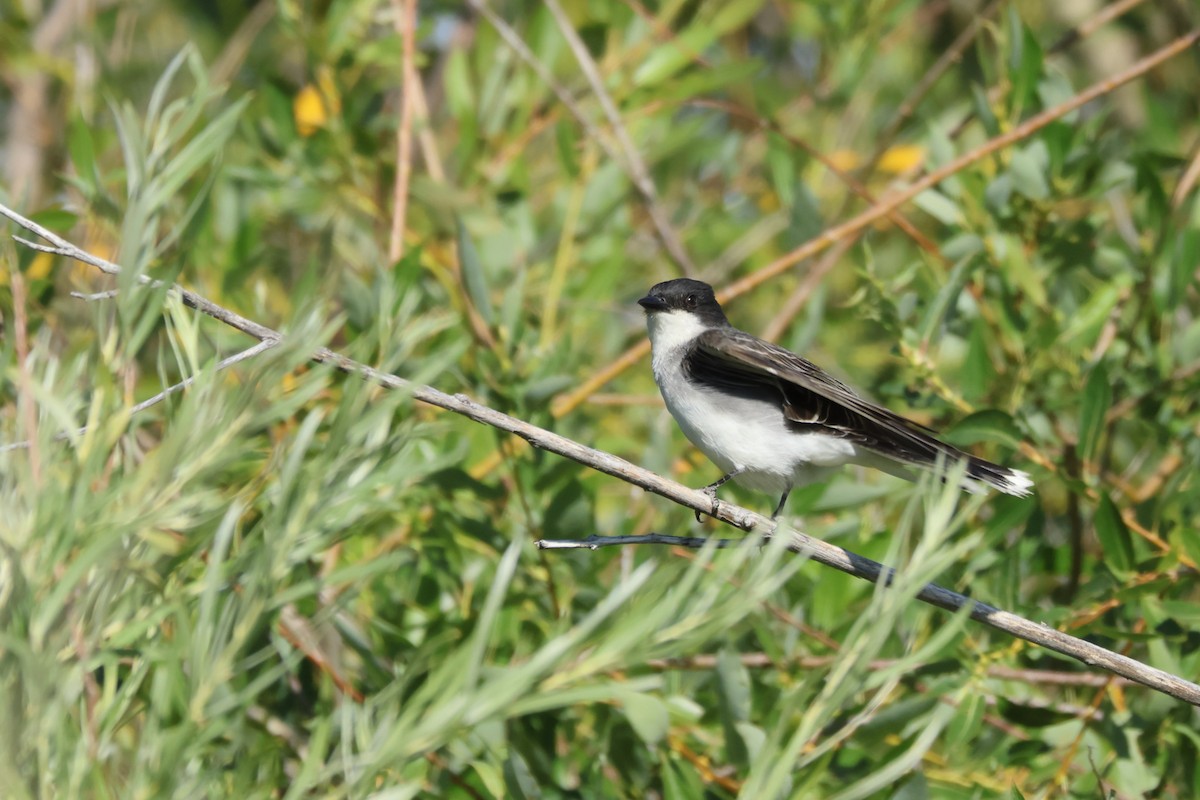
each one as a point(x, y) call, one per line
point(772, 420)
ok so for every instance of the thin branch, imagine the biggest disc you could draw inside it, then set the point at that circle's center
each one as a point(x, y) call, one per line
point(1022, 131)
point(1188, 181)
point(238, 46)
point(799, 298)
point(633, 159)
point(1089, 26)
point(820, 551)
point(861, 567)
point(566, 402)
point(302, 634)
point(1041, 677)
point(853, 184)
point(596, 542)
point(156, 399)
point(631, 162)
point(949, 58)
point(405, 20)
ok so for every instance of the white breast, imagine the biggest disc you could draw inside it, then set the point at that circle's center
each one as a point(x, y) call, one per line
point(736, 433)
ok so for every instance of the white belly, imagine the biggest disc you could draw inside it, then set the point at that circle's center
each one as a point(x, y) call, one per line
point(754, 439)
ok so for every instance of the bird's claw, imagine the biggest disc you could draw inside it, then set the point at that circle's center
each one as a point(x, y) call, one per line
point(711, 493)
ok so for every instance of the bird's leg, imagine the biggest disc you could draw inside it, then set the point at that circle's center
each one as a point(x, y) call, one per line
point(711, 491)
point(779, 507)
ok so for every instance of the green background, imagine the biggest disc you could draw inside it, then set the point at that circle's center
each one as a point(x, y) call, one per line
point(285, 582)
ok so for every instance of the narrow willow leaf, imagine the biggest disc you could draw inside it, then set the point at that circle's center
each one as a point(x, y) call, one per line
point(943, 302)
point(733, 687)
point(666, 60)
point(1097, 399)
point(1028, 175)
point(472, 272)
point(199, 152)
point(647, 716)
point(1114, 536)
point(940, 207)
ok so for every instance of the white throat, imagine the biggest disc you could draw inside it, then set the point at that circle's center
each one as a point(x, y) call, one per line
point(672, 329)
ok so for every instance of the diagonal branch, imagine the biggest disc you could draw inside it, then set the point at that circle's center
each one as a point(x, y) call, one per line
point(633, 159)
point(631, 163)
point(810, 547)
point(873, 571)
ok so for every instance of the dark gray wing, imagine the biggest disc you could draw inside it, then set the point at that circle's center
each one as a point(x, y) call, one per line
point(811, 399)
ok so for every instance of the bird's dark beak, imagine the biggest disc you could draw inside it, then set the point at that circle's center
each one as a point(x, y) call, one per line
point(652, 302)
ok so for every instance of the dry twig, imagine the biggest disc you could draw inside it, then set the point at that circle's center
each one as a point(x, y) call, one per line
point(633, 159)
point(405, 13)
point(629, 158)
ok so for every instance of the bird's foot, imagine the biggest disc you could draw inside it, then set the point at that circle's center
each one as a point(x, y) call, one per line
point(782, 503)
point(710, 492)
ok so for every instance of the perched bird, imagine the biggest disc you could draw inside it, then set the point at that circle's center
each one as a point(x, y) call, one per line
point(773, 421)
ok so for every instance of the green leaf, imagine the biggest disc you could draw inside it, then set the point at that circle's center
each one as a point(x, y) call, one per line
point(566, 140)
point(913, 788)
point(965, 725)
point(989, 425)
point(56, 219)
point(472, 272)
point(491, 777)
point(734, 682)
point(1028, 171)
point(82, 147)
point(753, 738)
point(782, 167)
point(1018, 267)
point(459, 85)
point(1115, 540)
point(1185, 255)
point(733, 690)
point(647, 716)
point(940, 207)
point(983, 110)
point(518, 779)
point(1025, 61)
point(198, 152)
point(569, 511)
point(943, 302)
point(681, 781)
point(1188, 537)
point(999, 193)
point(962, 246)
point(673, 55)
point(1085, 324)
point(1097, 399)
point(977, 372)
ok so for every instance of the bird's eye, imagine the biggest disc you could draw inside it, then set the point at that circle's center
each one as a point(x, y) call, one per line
point(690, 301)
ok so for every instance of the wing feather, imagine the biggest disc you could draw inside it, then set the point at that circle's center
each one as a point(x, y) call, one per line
point(811, 399)
point(808, 396)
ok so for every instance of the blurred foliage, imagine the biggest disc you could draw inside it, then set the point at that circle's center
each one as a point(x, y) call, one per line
point(283, 582)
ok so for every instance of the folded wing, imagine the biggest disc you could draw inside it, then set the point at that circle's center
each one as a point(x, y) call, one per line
point(811, 399)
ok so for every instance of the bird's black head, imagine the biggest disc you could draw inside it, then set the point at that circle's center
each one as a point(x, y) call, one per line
point(687, 295)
